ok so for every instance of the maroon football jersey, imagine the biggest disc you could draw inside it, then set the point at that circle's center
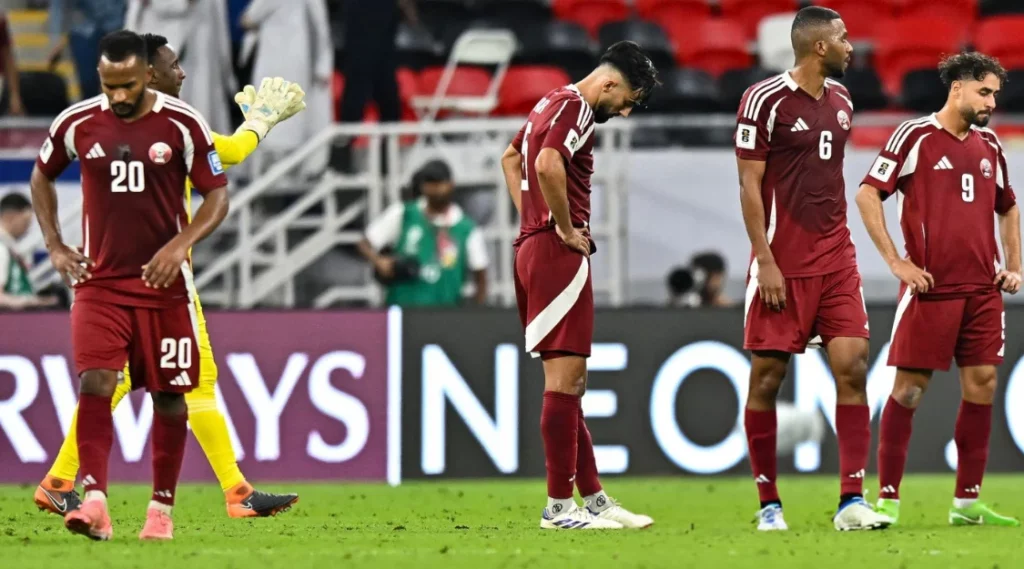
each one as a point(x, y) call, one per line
point(564, 121)
point(133, 185)
point(802, 141)
point(948, 189)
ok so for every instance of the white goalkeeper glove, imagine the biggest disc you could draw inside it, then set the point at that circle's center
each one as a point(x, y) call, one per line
point(275, 101)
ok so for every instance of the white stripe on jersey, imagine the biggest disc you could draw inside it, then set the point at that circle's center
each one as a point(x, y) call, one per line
point(183, 107)
point(190, 147)
point(764, 98)
point(757, 92)
point(586, 135)
point(69, 137)
point(76, 108)
point(900, 136)
point(559, 113)
point(771, 117)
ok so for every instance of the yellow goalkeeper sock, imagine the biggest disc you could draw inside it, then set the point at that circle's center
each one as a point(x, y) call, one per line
point(211, 430)
point(65, 466)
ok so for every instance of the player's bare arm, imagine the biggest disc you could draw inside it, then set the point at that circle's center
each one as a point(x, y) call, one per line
point(1009, 279)
point(770, 281)
point(162, 270)
point(512, 167)
point(71, 264)
point(870, 204)
point(551, 175)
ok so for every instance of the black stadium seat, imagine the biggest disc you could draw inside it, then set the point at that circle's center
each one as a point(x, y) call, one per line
point(732, 84)
point(923, 91)
point(1000, 7)
point(648, 34)
point(49, 94)
point(685, 91)
point(417, 48)
point(1011, 98)
point(562, 44)
point(515, 13)
point(865, 89)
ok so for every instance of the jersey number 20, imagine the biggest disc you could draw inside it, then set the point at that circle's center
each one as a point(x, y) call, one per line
point(179, 349)
point(127, 176)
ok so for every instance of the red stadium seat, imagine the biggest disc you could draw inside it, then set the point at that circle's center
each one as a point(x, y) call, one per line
point(668, 10)
point(408, 87)
point(466, 81)
point(750, 12)
point(861, 16)
point(524, 85)
point(905, 44)
point(591, 14)
point(958, 10)
point(1002, 38)
point(714, 45)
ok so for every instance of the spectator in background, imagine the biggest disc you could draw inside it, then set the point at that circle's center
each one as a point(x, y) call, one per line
point(680, 289)
point(10, 82)
point(709, 277)
point(198, 31)
point(435, 246)
point(79, 24)
point(15, 288)
point(292, 39)
point(370, 65)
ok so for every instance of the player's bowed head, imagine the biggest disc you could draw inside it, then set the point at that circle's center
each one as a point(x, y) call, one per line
point(973, 79)
point(124, 73)
point(820, 40)
point(623, 80)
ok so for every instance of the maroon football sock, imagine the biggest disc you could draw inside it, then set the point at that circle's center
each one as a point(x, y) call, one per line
point(169, 432)
point(853, 429)
point(893, 440)
point(95, 434)
point(761, 427)
point(559, 426)
point(587, 481)
point(973, 426)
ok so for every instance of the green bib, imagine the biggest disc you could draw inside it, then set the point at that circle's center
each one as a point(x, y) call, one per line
point(17, 278)
point(442, 268)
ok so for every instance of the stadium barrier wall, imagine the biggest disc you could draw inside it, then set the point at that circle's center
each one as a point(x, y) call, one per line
point(392, 395)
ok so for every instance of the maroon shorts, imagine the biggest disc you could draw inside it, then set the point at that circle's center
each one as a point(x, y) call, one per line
point(818, 309)
point(929, 333)
point(159, 345)
point(555, 296)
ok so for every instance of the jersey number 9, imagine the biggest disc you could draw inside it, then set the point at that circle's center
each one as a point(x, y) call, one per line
point(967, 187)
point(127, 176)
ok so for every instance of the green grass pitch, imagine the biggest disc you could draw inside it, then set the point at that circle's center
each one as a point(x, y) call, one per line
point(699, 522)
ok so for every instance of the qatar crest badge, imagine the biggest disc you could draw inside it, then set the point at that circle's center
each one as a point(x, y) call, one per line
point(160, 153)
point(986, 168)
point(844, 119)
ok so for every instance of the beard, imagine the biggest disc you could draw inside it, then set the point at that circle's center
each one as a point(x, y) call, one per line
point(126, 109)
point(836, 71)
point(977, 118)
point(439, 203)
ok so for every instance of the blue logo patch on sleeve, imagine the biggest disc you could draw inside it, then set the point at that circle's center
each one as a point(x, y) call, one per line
point(214, 159)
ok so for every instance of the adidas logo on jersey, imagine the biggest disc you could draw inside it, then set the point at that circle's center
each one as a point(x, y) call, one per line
point(944, 164)
point(182, 380)
point(800, 125)
point(96, 151)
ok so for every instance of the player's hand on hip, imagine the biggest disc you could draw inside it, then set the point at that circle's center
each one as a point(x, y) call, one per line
point(71, 264)
point(163, 268)
point(1008, 281)
point(772, 286)
point(919, 280)
point(575, 240)
point(385, 266)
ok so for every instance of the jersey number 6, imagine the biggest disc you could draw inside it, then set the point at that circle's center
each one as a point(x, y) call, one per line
point(127, 176)
point(825, 145)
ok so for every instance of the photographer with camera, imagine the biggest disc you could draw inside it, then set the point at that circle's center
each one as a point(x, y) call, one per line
point(434, 245)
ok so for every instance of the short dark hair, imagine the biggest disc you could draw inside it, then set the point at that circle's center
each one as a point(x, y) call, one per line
point(153, 44)
point(123, 44)
point(969, 65)
point(710, 262)
point(635, 66)
point(14, 202)
point(809, 18)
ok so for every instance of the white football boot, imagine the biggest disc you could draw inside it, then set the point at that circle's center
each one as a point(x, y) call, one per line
point(769, 518)
point(615, 512)
point(576, 518)
point(858, 515)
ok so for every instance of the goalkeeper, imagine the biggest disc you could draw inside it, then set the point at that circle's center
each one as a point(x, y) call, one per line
point(277, 100)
